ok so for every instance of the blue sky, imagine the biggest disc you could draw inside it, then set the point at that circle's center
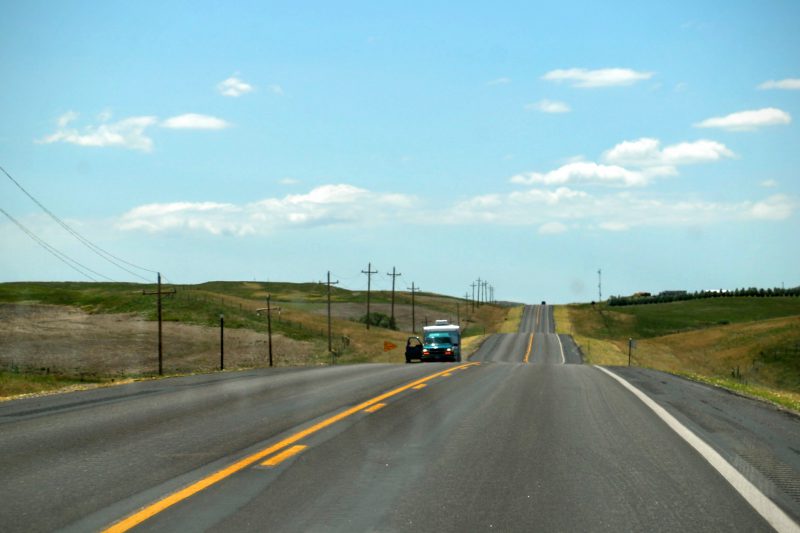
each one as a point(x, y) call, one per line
point(528, 145)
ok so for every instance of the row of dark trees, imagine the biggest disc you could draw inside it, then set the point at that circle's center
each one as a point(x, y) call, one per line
point(679, 297)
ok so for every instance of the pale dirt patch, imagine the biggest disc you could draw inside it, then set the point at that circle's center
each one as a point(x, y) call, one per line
point(70, 341)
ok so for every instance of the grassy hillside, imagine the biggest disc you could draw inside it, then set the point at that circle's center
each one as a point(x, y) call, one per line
point(66, 322)
point(744, 342)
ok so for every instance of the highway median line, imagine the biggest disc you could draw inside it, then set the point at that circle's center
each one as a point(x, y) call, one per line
point(159, 506)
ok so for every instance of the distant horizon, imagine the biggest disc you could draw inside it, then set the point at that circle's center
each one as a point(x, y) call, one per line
point(384, 290)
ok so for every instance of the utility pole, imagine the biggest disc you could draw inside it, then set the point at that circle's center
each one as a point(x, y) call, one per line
point(394, 276)
point(158, 293)
point(485, 291)
point(473, 296)
point(480, 285)
point(369, 272)
point(330, 344)
point(269, 309)
point(599, 285)
point(413, 290)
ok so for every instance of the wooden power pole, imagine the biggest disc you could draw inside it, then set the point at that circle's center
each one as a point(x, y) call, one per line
point(369, 272)
point(330, 342)
point(394, 277)
point(413, 290)
point(269, 309)
point(158, 293)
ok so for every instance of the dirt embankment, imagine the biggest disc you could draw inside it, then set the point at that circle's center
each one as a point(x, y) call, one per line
point(67, 340)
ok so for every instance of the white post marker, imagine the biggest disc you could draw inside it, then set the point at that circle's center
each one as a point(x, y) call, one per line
point(757, 499)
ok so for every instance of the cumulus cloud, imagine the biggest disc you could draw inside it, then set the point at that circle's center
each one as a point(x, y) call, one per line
point(769, 183)
point(789, 84)
point(747, 120)
point(552, 228)
point(234, 87)
point(583, 171)
point(776, 207)
point(127, 133)
point(130, 133)
point(647, 154)
point(604, 77)
point(326, 205)
point(549, 211)
point(620, 211)
point(549, 106)
point(614, 226)
point(194, 121)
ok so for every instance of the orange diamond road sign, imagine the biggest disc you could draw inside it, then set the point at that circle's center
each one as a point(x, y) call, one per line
point(388, 346)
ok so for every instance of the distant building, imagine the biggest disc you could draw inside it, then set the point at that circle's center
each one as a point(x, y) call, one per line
point(672, 293)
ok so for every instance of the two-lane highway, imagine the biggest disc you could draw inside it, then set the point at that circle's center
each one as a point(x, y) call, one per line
point(496, 443)
point(536, 342)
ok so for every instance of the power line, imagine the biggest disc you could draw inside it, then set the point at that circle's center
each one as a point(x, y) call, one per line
point(61, 256)
point(108, 256)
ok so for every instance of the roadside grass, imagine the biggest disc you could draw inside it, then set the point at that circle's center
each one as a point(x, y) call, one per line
point(655, 320)
point(16, 384)
point(512, 320)
point(787, 399)
point(751, 345)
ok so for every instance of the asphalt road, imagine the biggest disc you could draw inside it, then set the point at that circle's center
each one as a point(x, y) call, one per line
point(495, 443)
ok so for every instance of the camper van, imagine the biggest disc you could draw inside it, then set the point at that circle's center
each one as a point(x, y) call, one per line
point(440, 342)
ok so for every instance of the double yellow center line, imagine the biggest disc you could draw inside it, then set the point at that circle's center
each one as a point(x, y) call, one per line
point(530, 340)
point(178, 496)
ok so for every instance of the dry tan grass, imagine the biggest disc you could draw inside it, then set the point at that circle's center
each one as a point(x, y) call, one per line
point(714, 353)
point(67, 340)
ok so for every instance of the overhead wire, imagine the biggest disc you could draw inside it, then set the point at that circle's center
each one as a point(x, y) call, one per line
point(108, 256)
point(61, 256)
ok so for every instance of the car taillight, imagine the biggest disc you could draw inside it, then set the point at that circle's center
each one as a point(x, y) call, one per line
point(425, 352)
point(448, 352)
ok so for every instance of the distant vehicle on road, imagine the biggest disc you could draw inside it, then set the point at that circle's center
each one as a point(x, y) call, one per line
point(441, 342)
point(544, 303)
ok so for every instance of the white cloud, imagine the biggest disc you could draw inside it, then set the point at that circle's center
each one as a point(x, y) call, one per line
point(769, 183)
point(499, 81)
point(587, 172)
point(747, 120)
point(288, 181)
point(777, 207)
point(552, 228)
point(614, 226)
point(549, 211)
point(646, 153)
point(66, 118)
point(323, 206)
point(549, 106)
point(194, 121)
point(605, 77)
point(618, 211)
point(276, 89)
point(234, 87)
point(789, 84)
point(126, 133)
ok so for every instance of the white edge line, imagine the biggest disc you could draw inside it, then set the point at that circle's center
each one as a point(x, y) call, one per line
point(563, 361)
point(760, 502)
